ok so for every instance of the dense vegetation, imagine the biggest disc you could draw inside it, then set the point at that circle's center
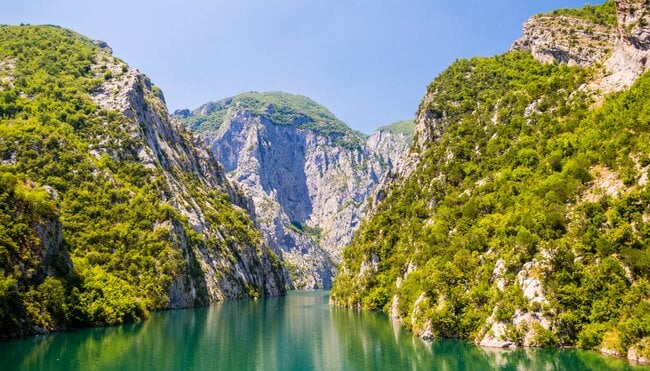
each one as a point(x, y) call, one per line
point(604, 14)
point(514, 174)
point(116, 215)
point(279, 108)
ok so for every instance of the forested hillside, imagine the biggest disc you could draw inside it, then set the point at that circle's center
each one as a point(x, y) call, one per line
point(107, 211)
point(525, 221)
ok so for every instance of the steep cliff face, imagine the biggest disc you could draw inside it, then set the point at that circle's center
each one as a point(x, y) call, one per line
point(632, 50)
point(520, 217)
point(392, 142)
point(614, 34)
point(149, 221)
point(571, 37)
point(308, 174)
point(161, 144)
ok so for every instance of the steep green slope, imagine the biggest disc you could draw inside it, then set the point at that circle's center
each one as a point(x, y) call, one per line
point(122, 218)
point(520, 182)
point(29, 220)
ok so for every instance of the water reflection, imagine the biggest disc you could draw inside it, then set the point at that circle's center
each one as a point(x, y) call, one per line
point(298, 332)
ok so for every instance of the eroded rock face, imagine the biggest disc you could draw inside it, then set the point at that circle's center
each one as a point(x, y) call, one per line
point(209, 274)
point(565, 39)
point(633, 27)
point(50, 251)
point(309, 186)
point(639, 353)
point(632, 50)
point(623, 48)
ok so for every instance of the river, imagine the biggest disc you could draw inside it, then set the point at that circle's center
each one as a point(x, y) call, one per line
point(297, 332)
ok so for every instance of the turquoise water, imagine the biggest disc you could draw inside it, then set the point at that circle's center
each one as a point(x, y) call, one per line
point(296, 332)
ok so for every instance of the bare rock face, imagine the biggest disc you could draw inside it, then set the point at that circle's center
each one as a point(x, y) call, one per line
point(309, 176)
point(632, 51)
point(622, 47)
point(524, 327)
point(54, 259)
point(566, 39)
point(633, 17)
point(48, 255)
point(209, 274)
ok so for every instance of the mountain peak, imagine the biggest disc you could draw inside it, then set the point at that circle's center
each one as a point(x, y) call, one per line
point(405, 127)
point(278, 107)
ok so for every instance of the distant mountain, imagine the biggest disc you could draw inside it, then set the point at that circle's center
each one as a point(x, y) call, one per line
point(108, 211)
point(521, 215)
point(279, 107)
point(309, 175)
point(405, 127)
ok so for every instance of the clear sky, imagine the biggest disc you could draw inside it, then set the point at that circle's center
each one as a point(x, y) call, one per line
point(368, 61)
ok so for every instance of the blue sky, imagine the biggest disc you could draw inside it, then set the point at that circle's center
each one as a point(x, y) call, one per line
point(368, 61)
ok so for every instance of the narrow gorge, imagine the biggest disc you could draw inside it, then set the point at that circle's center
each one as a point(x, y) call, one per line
point(113, 209)
point(309, 174)
point(513, 211)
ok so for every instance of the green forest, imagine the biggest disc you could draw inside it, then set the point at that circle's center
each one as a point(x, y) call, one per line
point(118, 252)
point(510, 177)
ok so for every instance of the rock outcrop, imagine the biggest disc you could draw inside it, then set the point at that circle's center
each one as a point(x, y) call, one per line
point(160, 144)
point(620, 41)
point(308, 174)
point(566, 39)
point(632, 49)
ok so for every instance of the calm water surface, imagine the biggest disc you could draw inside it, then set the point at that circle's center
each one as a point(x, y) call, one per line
point(296, 332)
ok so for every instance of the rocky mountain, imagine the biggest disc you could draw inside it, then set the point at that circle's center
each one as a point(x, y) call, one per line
point(520, 217)
point(309, 175)
point(108, 211)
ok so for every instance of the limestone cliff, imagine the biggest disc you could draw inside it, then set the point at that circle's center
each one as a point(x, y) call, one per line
point(614, 34)
point(149, 221)
point(308, 174)
point(566, 36)
point(161, 144)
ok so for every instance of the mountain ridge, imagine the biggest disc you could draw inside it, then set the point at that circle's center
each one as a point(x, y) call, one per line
point(138, 220)
point(276, 106)
point(309, 178)
point(500, 225)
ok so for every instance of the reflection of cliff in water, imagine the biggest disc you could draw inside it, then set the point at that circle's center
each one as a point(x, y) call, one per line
point(551, 359)
point(296, 332)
